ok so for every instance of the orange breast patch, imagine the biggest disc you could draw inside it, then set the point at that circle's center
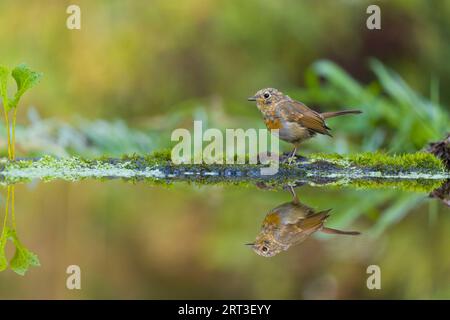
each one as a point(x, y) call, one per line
point(272, 123)
point(272, 219)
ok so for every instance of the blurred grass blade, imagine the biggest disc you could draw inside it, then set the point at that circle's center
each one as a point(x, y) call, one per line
point(396, 212)
point(338, 77)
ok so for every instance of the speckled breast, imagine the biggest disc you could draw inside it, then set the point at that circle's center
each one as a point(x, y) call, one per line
point(288, 131)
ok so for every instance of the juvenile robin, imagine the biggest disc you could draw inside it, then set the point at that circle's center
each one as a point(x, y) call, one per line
point(294, 120)
point(290, 224)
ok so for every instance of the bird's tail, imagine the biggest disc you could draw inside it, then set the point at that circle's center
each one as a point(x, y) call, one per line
point(335, 231)
point(327, 115)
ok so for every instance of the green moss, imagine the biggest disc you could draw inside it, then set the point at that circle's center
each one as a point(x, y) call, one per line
point(160, 156)
point(375, 160)
point(413, 185)
point(334, 157)
point(418, 160)
point(380, 160)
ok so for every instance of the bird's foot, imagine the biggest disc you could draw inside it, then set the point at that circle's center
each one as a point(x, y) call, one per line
point(290, 158)
point(265, 185)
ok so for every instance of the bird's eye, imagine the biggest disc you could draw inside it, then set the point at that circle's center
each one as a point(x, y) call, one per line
point(266, 95)
point(264, 249)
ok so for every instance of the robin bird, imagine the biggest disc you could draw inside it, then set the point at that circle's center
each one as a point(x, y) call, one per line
point(289, 224)
point(295, 121)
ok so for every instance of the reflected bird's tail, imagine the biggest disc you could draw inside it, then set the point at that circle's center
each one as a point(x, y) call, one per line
point(335, 231)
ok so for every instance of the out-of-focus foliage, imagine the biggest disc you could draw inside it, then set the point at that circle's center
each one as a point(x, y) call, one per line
point(146, 67)
point(395, 118)
point(138, 59)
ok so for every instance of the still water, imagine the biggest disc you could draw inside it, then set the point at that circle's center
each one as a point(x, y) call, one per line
point(185, 241)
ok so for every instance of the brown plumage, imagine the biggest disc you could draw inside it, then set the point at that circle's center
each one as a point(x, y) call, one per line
point(294, 120)
point(290, 224)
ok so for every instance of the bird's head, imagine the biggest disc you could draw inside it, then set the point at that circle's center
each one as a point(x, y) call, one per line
point(266, 97)
point(266, 247)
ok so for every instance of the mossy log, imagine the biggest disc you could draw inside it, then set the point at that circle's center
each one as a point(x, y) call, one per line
point(418, 171)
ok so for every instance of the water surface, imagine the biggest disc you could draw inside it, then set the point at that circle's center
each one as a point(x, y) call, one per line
point(188, 241)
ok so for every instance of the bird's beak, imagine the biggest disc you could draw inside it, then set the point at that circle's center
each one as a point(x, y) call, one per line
point(251, 99)
point(249, 244)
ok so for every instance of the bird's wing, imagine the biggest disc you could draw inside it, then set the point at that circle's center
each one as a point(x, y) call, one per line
point(313, 222)
point(298, 231)
point(295, 111)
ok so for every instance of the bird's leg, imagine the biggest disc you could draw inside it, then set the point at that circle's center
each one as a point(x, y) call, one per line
point(294, 195)
point(293, 154)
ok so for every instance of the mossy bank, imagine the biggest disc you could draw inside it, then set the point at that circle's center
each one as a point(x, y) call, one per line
point(418, 171)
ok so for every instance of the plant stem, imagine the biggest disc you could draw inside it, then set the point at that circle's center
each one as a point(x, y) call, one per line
point(13, 213)
point(13, 144)
point(5, 220)
point(7, 132)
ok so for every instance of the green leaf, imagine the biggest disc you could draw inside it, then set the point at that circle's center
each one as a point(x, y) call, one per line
point(25, 79)
point(4, 75)
point(23, 258)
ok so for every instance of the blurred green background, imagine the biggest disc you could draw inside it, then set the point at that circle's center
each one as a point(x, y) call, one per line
point(137, 70)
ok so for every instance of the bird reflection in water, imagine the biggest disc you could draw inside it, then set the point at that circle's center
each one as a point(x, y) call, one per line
point(290, 224)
